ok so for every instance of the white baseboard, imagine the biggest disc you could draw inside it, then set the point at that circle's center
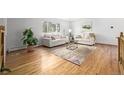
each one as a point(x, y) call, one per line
point(108, 43)
point(15, 49)
point(19, 48)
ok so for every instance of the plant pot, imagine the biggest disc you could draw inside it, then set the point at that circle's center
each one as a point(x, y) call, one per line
point(30, 48)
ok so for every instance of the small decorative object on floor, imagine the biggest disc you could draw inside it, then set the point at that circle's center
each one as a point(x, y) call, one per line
point(29, 40)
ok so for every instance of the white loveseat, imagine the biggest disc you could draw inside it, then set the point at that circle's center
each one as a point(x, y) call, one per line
point(51, 40)
point(87, 38)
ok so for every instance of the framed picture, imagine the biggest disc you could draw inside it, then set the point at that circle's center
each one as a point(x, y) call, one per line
point(58, 27)
point(50, 27)
point(87, 27)
point(45, 27)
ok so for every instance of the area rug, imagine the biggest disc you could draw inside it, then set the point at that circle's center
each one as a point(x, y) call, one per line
point(76, 56)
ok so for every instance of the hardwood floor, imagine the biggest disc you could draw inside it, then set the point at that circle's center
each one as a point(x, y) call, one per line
point(103, 61)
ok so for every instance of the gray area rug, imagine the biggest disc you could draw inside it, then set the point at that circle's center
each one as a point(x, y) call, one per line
point(76, 56)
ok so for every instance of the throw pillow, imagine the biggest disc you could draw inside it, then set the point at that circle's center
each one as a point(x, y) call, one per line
point(52, 37)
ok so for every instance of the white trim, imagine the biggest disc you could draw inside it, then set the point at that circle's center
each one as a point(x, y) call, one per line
point(20, 48)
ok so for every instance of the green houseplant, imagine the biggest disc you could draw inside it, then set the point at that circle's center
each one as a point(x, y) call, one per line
point(29, 40)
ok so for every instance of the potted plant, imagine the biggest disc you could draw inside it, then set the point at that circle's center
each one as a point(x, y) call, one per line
point(29, 40)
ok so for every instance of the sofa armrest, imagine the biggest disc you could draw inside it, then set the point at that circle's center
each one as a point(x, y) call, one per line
point(46, 42)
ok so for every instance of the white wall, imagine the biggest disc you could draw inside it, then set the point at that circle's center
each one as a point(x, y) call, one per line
point(104, 33)
point(16, 26)
point(101, 27)
point(2, 21)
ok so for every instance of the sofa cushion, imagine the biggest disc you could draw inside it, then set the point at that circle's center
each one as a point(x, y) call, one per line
point(46, 36)
point(86, 36)
point(53, 36)
point(78, 37)
point(84, 39)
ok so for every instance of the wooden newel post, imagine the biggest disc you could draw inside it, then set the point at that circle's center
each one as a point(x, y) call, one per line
point(121, 52)
point(2, 49)
point(121, 34)
point(120, 46)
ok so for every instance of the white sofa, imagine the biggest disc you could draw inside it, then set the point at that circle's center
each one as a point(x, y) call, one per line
point(54, 40)
point(87, 38)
